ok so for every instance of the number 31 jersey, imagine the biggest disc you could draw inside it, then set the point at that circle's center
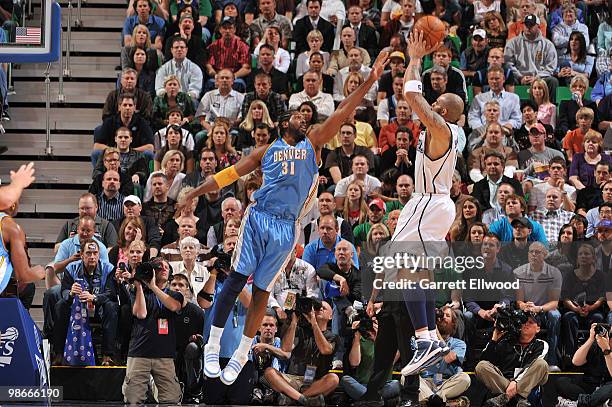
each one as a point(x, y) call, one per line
point(290, 180)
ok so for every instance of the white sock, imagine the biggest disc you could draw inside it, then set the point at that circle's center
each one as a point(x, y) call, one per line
point(215, 336)
point(434, 335)
point(243, 349)
point(422, 335)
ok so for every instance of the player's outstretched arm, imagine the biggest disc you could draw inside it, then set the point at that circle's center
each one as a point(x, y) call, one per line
point(19, 257)
point(20, 180)
point(321, 135)
point(226, 177)
point(413, 94)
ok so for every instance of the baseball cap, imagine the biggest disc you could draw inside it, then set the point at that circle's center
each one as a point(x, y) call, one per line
point(378, 203)
point(523, 221)
point(186, 16)
point(604, 224)
point(398, 54)
point(228, 20)
point(479, 33)
point(536, 317)
point(531, 20)
point(539, 127)
point(133, 199)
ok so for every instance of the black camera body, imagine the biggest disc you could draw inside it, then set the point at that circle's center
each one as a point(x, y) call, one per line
point(366, 324)
point(304, 304)
point(222, 263)
point(602, 329)
point(510, 320)
point(144, 273)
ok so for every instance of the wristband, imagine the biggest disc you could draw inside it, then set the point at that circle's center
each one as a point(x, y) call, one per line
point(226, 177)
point(205, 296)
point(413, 86)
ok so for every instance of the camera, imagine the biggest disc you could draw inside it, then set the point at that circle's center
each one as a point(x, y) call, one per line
point(303, 304)
point(223, 260)
point(510, 320)
point(602, 329)
point(144, 273)
point(366, 324)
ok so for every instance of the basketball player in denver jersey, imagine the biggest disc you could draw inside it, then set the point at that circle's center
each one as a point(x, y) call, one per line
point(429, 214)
point(272, 222)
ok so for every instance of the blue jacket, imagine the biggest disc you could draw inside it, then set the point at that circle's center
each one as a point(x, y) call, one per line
point(455, 345)
point(602, 87)
point(75, 269)
point(503, 229)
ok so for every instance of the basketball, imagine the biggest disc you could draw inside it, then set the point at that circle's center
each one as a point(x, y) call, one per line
point(433, 29)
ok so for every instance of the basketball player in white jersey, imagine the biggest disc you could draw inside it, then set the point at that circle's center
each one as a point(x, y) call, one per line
point(429, 214)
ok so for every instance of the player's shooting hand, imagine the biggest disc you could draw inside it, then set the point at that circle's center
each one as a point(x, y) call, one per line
point(417, 46)
point(24, 176)
point(379, 65)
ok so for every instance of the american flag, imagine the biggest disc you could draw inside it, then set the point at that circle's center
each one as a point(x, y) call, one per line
point(27, 35)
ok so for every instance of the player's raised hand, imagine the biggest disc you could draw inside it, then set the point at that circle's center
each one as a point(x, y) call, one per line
point(379, 65)
point(417, 46)
point(24, 176)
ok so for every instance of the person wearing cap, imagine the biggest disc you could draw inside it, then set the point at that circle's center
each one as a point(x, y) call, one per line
point(535, 159)
point(397, 67)
point(539, 291)
point(311, 22)
point(527, 7)
point(531, 55)
point(474, 58)
point(132, 208)
point(229, 52)
point(561, 32)
point(529, 111)
point(515, 208)
point(510, 374)
point(187, 71)
point(87, 279)
point(603, 252)
point(510, 116)
point(269, 17)
point(376, 212)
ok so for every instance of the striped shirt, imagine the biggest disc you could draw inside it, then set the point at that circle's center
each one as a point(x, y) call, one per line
point(552, 221)
point(214, 104)
point(112, 208)
point(233, 56)
point(539, 287)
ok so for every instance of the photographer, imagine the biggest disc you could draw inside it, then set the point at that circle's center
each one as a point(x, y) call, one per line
point(267, 352)
point(189, 341)
point(361, 360)
point(347, 279)
point(298, 277)
point(153, 343)
point(446, 380)
point(594, 387)
point(312, 348)
point(87, 280)
point(512, 364)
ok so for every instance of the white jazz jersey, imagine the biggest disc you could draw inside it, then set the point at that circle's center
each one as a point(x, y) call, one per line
point(429, 214)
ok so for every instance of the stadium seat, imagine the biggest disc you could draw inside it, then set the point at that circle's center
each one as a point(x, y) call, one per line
point(522, 91)
point(564, 93)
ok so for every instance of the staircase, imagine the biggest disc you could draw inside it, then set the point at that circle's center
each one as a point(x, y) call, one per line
point(63, 176)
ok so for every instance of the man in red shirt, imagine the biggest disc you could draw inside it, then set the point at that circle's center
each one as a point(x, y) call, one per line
point(228, 52)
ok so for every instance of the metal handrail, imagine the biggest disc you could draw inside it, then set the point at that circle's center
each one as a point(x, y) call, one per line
point(47, 73)
point(67, 70)
point(78, 22)
point(61, 98)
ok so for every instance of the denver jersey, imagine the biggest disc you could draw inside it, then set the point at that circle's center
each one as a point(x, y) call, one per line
point(290, 180)
point(6, 268)
point(435, 177)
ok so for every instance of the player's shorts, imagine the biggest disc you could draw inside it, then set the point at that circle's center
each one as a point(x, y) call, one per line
point(264, 246)
point(425, 218)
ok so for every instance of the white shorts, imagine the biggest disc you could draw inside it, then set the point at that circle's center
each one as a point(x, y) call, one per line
point(425, 218)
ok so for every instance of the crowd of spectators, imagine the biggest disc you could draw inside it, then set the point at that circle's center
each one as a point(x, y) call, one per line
point(203, 83)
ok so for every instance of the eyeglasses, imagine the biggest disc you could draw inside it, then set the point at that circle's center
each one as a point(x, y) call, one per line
point(111, 160)
point(535, 251)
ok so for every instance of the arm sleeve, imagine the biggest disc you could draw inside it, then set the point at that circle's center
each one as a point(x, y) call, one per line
point(326, 273)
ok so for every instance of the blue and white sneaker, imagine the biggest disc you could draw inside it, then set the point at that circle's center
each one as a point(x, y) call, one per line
point(427, 352)
point(232, 370)
point(212, 369)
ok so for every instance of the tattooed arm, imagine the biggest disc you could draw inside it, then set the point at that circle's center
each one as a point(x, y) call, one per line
point(439, 137)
